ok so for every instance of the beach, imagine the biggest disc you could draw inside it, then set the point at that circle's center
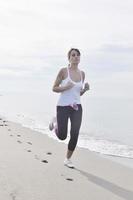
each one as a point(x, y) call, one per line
point(31, 167)
point(36, 39)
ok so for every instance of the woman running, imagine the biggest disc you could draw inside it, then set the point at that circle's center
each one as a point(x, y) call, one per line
point(70, 84)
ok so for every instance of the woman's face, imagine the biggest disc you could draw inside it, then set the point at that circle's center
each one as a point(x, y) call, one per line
point(74, 57)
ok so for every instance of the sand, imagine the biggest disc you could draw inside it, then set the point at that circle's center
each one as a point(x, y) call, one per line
point(31, 168)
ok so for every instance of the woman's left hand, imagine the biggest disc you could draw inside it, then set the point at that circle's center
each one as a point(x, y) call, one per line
point(86, 86)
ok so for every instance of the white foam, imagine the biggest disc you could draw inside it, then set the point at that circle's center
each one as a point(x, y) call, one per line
point(106, 147)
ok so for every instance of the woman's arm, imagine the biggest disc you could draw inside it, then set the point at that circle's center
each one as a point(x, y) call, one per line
point(86, 86)
point(56, 87)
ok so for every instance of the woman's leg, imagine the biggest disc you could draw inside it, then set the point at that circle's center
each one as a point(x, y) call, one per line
point(76, 118)
point(62, 121)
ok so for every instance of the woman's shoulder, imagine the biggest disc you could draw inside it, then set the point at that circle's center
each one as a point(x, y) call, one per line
point(63, 69)
point(63, 72)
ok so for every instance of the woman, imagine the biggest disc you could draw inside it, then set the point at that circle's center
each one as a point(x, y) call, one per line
point(69, 83)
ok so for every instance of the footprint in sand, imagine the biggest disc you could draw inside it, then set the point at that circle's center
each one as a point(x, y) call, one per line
point(49, 153)
point(18, 135)
point(5, 121)
point(44, 161)
point(13, 196)
point(29, 143)
point(69, 179)
point(19, 141)
point(9, 129)
point(29, 150)
point(11, 135)
point(37, 158)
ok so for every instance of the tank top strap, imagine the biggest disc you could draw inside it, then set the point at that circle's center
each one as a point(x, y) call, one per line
point(81, 76)
point(68, 73)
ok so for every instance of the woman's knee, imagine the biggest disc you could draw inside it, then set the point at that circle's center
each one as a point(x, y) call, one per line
point(62, 134)
point(62, 137)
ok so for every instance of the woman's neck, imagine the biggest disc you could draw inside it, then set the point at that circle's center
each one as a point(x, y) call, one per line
point(73, 66)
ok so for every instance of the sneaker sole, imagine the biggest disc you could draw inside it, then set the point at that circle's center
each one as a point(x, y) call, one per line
point(72, 167)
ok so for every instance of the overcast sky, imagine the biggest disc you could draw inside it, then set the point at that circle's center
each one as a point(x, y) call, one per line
point(38, 33)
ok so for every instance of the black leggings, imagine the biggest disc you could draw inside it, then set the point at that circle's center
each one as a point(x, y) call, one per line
point(63, 114)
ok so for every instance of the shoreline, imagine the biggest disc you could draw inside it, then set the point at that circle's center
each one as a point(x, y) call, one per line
point(32, 168)
point(121, 159)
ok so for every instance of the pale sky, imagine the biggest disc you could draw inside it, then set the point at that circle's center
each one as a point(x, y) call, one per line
point(38, 33)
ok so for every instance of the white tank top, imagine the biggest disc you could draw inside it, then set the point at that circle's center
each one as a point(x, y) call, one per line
point(70, 96)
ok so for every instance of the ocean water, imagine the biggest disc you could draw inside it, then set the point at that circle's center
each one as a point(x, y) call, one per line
point(107, 120)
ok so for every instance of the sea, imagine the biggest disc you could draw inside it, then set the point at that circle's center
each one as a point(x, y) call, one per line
point(107, 127)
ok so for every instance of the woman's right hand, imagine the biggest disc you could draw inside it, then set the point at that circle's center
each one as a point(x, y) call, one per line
point(57, 87)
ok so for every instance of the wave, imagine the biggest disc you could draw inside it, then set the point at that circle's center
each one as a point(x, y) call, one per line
point(106, 147)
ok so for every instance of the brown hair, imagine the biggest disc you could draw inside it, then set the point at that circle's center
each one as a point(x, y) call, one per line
point(69, 52)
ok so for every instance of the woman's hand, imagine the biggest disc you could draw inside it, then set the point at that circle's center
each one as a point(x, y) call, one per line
point(58, 88)
point(86, 86)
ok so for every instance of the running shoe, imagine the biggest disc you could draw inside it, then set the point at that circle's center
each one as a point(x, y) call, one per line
point(68, 163)
point(52, 124)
